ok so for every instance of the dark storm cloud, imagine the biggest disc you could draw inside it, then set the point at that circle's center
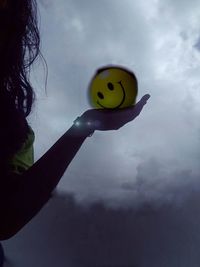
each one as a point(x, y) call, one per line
point(101, 236)
point(156, 185)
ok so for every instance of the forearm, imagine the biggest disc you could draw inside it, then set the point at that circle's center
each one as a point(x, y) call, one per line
point(34, 187)
point(49, 169)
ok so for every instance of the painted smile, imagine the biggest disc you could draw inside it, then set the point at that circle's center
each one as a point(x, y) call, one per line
point(121, 101)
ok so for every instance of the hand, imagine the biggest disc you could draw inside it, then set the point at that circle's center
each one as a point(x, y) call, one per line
point(106, 119)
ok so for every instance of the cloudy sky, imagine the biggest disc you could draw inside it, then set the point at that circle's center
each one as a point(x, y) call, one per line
point(153, 160)
point(147, 159)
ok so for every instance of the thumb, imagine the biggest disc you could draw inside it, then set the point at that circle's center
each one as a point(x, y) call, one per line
point(145, 98)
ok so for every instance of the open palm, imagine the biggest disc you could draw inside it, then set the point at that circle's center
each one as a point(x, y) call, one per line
point(106, 119)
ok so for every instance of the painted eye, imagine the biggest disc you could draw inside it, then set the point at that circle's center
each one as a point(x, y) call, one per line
point(110, 86)
point(100, 95)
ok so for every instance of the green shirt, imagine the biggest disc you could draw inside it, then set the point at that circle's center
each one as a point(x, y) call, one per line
point(24, 158)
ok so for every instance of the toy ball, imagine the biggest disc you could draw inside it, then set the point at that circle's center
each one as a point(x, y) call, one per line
point(113, 87)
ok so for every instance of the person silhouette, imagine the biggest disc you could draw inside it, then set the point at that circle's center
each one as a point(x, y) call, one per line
point(25, 185)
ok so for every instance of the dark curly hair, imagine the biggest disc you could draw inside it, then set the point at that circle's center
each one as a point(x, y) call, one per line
point(19, 47)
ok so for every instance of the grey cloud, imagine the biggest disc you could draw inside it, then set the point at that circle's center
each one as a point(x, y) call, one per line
point(197, 44)
point(156, 186)
point(45, 3)
point(65, 233)
point(180, 11)
point(107, 32)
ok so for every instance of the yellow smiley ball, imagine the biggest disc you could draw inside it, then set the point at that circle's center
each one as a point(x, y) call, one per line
point(113, 87)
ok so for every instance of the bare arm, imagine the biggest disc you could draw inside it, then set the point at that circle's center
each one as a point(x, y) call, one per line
point(23, 196)
point(26, 194)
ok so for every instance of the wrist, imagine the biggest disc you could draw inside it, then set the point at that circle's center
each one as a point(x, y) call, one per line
point(83, 128)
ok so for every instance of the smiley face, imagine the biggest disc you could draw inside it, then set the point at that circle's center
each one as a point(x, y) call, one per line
point(112, 87)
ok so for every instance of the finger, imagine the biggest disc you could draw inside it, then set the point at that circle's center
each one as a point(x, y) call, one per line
point(145, 98)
